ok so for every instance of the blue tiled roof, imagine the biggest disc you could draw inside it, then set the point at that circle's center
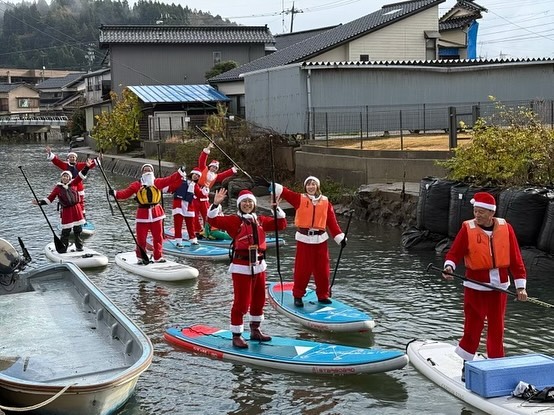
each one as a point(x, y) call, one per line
point(330, 39)
point(142, 34)
point(156, 94)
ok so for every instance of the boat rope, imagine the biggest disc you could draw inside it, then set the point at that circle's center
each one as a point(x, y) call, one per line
point(38, 405)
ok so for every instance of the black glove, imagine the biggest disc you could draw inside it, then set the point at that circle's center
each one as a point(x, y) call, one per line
point(261, 181)
point(343, 242)
point(111, 192)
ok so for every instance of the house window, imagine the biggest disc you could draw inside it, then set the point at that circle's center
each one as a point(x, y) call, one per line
point(23, 102)
point(364, 58)
point(217, 57)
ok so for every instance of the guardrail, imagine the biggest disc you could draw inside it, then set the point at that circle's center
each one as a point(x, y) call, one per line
point(16, 120)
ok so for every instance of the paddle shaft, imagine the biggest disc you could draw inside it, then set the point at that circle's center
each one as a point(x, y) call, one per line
point(224, 153)
point(275, 211)
point(340, 253)
point(57, 241)
point(143, 253)
point(492, 287)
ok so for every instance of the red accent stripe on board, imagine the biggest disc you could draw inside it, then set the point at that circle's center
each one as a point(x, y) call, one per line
point(287, 286)
point(193, 347)
point(198, 330)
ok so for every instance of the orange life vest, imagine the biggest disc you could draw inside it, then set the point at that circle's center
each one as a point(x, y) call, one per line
point(484, 251)
point(312, 216)
point(204, 180)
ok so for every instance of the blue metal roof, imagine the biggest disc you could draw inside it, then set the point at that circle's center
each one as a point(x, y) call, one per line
point(156, 94)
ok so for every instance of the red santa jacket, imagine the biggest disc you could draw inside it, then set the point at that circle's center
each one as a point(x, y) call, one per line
point(208, 178)
point(69, 215)
point(152, 213)
point(74, 169)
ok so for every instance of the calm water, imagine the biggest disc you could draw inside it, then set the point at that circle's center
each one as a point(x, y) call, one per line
point(375, 274)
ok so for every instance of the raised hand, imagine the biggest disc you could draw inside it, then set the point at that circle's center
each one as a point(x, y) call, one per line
point(220, 196)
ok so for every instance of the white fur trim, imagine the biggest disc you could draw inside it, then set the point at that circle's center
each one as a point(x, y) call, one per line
point(182, 173)
point(234, 169)
point(338, 238)
point(281, 213)
point(213, 213)
point(449, 263)
point(311, 239)
point(483, 205)
point(50, 156)
point(146, 165)
point(278, 189)
point(257, 319)
point(247, 269)
point(315, 179)
point(236, 329)
point(194, 171)
point(520, 282)
point(66, 172)
point(247, 196)
point(206, 150)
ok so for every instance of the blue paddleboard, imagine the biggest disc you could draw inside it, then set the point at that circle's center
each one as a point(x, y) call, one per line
point(223, 243)
point(88, 228)
point(188, 250)
point(336, 317)
point(285, 353)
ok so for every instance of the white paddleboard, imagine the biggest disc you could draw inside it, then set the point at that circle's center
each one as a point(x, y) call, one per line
point(161, 271)
point(87, 258)
point(442, 365)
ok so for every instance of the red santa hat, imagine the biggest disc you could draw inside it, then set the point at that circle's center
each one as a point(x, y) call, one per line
point(196, 170)
point(72, 153)
point(246, 194)
point(214, 163)
point(68, 173)
point(484, 200)
point(315, 179)
point(146, 165)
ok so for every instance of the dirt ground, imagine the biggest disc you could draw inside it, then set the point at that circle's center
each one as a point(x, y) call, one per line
point(414, 142)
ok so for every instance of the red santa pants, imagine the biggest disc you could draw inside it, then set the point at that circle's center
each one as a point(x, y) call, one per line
point(478, 307)
point(311, 259)
point(178, 225)
point(249, 294)
point(201, 208)
point(156, 229)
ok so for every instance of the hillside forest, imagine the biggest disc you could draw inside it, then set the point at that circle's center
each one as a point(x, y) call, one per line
point(64, 34)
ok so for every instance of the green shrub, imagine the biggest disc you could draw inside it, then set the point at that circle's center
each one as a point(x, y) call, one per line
point(512, 148)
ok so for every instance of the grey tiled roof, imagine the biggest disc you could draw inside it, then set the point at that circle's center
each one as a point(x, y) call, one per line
point(52, 83)
point(156, 94)
point(110, 34)
point(286, 39)
point(438, 63)
point(332, 38)
point(457, 23)
point(5, 87)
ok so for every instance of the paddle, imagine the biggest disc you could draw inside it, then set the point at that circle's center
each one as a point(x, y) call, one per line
point(340, 253)
point(484, 284)
point(224, 153)
point(26, 254)
point(60, 247)
point(275, 215)
point(143, 253)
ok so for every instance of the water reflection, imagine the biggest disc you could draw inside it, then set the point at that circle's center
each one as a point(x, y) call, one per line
point(375, 274)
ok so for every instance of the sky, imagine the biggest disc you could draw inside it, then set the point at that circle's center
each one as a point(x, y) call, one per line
point(510, 28)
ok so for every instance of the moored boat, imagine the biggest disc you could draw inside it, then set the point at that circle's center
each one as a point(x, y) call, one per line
point(66, 348)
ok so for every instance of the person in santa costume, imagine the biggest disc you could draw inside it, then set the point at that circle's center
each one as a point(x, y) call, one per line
point(208, 177)
point(71, 214)
point(314, 217)
point(150, 213)
point(248, 266)
point(184, 193)
point(74, 166)
point(490, 251)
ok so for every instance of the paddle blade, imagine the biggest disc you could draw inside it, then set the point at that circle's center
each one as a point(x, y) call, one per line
point(60, 247)
point(144, 256)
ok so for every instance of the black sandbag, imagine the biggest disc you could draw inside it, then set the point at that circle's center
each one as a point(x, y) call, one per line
point(460, 208)
point(538, 263)
point(545, 240)
point(443, 246)
point(524, 209)
point(432, 205)
point(417, 239)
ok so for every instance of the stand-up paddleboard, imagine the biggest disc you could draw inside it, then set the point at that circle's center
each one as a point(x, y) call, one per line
point(286, 353)
point(336, 317)
point(224, 243)
point(87, 258)
point(161, 271)
point(88, 228)
point(188, 250)
point(439, 362)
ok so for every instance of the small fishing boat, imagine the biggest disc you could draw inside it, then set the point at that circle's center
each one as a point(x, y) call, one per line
point(66, 348)
point(302, 356)
point(334, 317)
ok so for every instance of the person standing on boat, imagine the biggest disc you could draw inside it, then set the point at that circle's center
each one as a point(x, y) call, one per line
point(71, 214)
point(74, 166)
point(248, 266)
point(490, 251)
point(314, 216)
point(184, 192)
point(150, 213)
point(208, 177)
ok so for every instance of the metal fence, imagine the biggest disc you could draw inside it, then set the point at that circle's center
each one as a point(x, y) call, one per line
point(375, 121)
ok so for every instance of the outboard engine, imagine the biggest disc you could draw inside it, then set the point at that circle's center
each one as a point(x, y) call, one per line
point(11, 262)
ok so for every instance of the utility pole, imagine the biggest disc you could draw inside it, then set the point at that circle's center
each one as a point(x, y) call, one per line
point(292, 11)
